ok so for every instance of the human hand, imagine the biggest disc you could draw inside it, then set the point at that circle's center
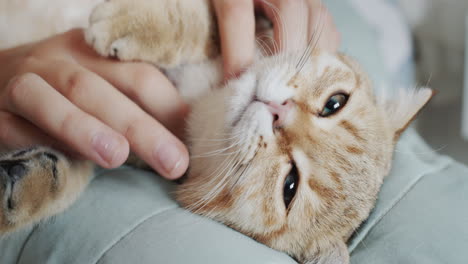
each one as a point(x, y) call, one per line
point(58, 92)
point(236, 23)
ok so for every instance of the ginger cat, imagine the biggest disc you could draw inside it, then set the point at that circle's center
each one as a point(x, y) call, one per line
point(292, 153)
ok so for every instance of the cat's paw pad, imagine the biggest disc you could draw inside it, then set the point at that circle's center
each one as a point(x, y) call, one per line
point(29, 181)
point(13, 171)
point(11, 174)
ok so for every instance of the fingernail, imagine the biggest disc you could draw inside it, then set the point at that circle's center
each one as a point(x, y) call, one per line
point(107, 146)
point(169, 157)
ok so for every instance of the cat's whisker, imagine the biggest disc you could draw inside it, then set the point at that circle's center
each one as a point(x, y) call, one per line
point(260, 45)
point(263, 44)
point(237, 133)
point(234, 141)
point(201, 202)
point(214, 154)
point(220, 151)
point(233, 166)
point(313, 46)
point(230, 175)
point(238, 173)
point(242, 173)
point(304, 54)
point(214, 142)
point(217, 150)
point(276, 16)
point(224, 180)
point(313, 41)
point(230, 136)
point(411, 152)
point(429, 79)
point(282, 29)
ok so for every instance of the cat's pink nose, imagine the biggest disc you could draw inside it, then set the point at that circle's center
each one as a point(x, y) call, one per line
point(280, 112)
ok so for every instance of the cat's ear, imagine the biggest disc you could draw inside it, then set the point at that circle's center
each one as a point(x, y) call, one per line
point(402, 107)
point(338, 254)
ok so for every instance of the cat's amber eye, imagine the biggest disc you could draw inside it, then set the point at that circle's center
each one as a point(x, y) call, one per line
point(334, 104)
point(290, 186)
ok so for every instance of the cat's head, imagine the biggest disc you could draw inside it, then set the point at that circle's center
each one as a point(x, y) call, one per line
point(293, 153)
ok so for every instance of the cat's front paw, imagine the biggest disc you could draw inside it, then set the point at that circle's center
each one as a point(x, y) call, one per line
point(125, 30)
point(32, 186)
point(145, 31)
point(107, 27)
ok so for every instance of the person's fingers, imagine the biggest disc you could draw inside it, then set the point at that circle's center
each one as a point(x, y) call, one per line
point(17, 133)
point(148, 87)
point(236, 22)
point(323, 28)
point(290, 23)
point(147, 137)
point(141, 82)
point(31, 97)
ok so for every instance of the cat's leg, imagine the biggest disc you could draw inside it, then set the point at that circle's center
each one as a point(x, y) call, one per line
point(38, 183)
point(166, 33)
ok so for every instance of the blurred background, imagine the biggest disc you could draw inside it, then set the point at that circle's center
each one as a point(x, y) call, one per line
point(440, 40)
